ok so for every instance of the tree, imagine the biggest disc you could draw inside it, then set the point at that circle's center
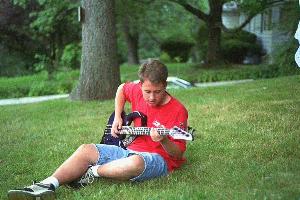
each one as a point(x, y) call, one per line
point(52, 26)
point(51, 22)
point(16, 45)
point(132, 41)
point(145, 24)
point(129, 14)
point(213, 20)
point(99, 73)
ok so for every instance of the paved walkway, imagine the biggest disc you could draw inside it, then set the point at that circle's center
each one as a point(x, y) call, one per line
point(220, 83)
point(25, 100)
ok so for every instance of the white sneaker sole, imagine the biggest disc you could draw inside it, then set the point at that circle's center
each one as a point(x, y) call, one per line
point(26, 195)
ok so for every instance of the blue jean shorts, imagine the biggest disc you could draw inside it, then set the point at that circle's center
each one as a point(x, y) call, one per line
point(155, 165)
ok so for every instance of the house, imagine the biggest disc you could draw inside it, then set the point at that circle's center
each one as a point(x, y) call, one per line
point(263, 25)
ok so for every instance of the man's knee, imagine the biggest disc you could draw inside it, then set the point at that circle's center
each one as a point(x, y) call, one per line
point(138, 164)
point(89, 151)
point(87, 147)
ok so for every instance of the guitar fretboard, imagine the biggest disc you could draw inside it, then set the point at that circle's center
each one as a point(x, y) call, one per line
point(139, 130)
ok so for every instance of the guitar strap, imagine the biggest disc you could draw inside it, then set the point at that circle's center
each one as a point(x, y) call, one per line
point(132, 116)
point(121, 141)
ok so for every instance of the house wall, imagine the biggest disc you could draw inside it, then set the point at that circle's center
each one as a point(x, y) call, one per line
point(262, 25)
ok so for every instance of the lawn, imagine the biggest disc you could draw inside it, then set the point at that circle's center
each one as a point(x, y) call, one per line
point(63, 82)
point(246, 146)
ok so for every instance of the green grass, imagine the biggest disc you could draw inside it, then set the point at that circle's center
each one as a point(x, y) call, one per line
point(63, 82)
point(246, 147)
point(195, 73)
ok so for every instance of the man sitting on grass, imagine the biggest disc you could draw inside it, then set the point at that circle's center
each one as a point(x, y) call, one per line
point(145, 158)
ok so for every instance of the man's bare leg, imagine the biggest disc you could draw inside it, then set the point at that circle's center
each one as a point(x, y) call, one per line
point(123, 169)
point(77, 164)
point(73, 168)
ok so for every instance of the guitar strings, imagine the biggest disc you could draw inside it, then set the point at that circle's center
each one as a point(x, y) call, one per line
point(139, 130)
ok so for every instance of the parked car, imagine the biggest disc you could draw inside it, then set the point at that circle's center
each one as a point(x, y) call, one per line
point(175, 83)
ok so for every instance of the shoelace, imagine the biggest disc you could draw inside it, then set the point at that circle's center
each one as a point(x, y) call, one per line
point(87, 178)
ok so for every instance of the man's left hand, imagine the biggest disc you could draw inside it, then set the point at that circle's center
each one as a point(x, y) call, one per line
point(155, 136)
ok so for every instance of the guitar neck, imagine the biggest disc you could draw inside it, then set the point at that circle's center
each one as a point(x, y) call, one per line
point(175, 132)
point(142, 130)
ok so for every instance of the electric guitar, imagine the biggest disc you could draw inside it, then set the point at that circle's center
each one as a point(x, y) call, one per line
point(175, 132)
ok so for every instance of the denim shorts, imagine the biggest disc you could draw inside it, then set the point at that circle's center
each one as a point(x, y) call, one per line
point(155, 165)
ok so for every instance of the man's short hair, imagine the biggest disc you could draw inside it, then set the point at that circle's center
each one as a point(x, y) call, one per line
point(153, 70)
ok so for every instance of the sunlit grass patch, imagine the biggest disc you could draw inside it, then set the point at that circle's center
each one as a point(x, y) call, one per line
point(246, 145)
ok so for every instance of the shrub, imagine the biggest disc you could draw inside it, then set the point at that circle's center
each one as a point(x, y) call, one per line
point(38, 84)
point(236, 46)
point(285, 58)
point(234, 50)
point(19, 86)
point(201, 38)
point(42, 88)
point(62, 83)
point(177, 49)
point(66, 81)
point(43, 63)
point(14, 63)
point(164, 57)
point(241, 36)
point(71, 56)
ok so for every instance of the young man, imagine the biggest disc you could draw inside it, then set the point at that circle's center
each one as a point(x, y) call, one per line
point(145, 158)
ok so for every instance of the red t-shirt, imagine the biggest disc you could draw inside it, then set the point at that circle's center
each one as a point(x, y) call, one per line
point(169, 115)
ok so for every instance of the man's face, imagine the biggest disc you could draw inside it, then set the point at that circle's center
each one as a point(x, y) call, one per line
point(154, 94)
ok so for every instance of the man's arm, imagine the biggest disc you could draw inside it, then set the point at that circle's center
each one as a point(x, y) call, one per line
point(171, 148)
point(119, 106)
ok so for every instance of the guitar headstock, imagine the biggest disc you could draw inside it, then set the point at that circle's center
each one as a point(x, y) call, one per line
point(180, 134)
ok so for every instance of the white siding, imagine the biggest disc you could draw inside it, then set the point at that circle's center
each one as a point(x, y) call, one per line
point(262, 25)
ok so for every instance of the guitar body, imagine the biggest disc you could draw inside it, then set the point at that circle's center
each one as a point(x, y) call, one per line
point(127, 120)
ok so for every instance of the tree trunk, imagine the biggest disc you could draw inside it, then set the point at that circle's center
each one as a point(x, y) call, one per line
point(213, 20)
point(214, 25)
point(51, 66)
point(214, 45)
point(132, 39)
point(99, 73)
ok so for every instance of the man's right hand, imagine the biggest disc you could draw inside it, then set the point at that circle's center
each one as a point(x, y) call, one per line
point(116, 126)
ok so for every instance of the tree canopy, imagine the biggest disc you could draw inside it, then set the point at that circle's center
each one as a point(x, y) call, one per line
point(45, 35)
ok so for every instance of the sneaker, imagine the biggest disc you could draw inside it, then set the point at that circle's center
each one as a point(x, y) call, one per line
point(35, 191)
point(85, 180)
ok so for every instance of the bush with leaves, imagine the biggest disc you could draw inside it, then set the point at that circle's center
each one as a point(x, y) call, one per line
point(71, 56)
point(177, 49)
point(236, 46)
point(165, 58)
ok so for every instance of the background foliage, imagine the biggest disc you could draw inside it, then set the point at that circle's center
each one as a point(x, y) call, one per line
point(45, 36)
